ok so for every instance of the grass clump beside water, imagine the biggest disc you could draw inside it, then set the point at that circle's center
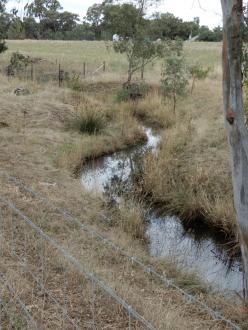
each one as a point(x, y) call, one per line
point(190, 174)
point(131, 219)
point(151, 110)
point(99, 129)
point(90, 116)
point(89, 122)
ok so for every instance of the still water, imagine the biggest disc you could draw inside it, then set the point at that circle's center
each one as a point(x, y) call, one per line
point(194, 249)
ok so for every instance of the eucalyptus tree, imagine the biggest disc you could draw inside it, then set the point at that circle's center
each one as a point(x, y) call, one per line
point(139, 49)
point(233, 20)
point(174, 81)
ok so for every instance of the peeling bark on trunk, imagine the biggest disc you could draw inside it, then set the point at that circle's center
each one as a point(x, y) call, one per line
point(235, 121)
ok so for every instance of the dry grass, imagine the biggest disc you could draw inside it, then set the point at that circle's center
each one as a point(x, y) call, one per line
point(190, 175)
point(152, 110)
point(164, 307)
point(119, 130)
point(72, 54)
point(130, 218)
point(34, 141)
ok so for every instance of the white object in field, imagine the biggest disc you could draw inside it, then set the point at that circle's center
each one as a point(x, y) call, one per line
point(116, 37)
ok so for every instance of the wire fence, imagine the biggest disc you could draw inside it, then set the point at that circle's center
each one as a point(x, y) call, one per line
point(42, 71)
point(56, 290)
point(216, 315)
point(13, 312)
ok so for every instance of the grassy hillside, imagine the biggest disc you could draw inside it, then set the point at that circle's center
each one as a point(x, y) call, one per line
point(46, 136)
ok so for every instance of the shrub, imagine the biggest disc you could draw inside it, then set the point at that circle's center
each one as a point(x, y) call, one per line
point(75, 83)
point(18, 62)
point(132, 92)
point(3, 46)
point(89, 121)
point(197, 72)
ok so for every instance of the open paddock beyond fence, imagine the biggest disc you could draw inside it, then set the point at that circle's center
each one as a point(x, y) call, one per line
point(92, 59)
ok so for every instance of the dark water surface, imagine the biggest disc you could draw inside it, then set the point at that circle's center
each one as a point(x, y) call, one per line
point(198, 249)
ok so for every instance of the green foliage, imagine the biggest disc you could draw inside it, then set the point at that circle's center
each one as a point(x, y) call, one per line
point(122, 20)
point(101, 21)
point(174, 81)
point(31, 28)
point(132, 92)
point(18, 62)
point(167, 26)
point(205, 34)
point(139, 52)
point(89, 122)
point(52, 23)
point(75, 83)
point(94, 16)
point(79, 32)
point(197, 72)
point(16, 29)
point(3, 46)
point(40, 8)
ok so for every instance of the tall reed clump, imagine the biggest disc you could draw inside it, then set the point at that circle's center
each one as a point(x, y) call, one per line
point(94, 130)
point(88, 121)
point(131, 219)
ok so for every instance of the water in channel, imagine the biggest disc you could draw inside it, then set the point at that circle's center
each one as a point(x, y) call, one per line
point(198, 249)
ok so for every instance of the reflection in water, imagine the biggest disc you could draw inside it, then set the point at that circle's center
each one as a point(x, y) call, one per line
point(99, 173)
point(198, 254)
point(201, 250)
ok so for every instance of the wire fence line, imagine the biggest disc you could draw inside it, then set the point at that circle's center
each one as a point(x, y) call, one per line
point(27, 315)
point(131, 312)
point(47, 292)
point(42, 71)
point(216, 315)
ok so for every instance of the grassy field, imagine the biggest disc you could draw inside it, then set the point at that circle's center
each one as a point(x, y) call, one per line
point(72, 54)
point(47, 135)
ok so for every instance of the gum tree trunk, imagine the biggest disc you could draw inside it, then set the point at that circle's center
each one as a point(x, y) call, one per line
point(234, 118)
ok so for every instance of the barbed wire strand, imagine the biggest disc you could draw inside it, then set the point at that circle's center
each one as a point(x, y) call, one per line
point(19, 301)
point(46, 291)
point(80, 267)
point(216, 315)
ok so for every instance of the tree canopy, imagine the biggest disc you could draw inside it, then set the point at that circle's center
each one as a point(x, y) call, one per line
point(46, 19)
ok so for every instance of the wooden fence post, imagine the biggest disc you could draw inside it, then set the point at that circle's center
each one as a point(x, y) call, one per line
point(32, 72)
point(59, 76)
point(84, 70)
